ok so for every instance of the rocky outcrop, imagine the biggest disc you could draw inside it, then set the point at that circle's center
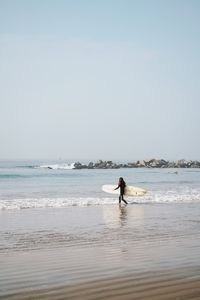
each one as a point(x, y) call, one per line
point(195, 164)
point(152, 163)
point(100, 164)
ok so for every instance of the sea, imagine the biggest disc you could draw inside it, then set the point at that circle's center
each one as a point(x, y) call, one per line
point(57, 226)
point(37, 184)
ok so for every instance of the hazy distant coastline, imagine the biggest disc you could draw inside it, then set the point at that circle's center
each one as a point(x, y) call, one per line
point(153, 163)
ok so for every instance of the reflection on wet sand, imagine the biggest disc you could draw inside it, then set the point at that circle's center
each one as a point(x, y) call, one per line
point(103, 252)
point(130, 216)
point(122, 215)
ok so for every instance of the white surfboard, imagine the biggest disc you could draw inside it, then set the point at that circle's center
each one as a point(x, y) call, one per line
point(129, 190)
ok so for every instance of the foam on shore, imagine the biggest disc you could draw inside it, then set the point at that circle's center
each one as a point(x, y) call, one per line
point(159, 197)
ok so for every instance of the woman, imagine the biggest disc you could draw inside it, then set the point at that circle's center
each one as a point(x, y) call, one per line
point(121, 185)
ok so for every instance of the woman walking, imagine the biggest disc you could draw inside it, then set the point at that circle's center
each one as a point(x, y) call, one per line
point(121, 185)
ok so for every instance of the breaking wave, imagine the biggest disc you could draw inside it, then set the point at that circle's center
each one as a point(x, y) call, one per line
point(63, 166)
point(151, 198)
point(58, 166)
point(52, 202)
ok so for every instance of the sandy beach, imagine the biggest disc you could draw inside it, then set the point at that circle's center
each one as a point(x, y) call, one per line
point(99, 100)
point(176, 284)
point(99, 155)
point(100, 252)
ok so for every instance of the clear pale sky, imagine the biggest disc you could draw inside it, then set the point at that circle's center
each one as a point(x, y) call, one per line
point(89, 79)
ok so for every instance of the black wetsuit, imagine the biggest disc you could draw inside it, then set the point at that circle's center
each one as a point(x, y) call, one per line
point(122, 186)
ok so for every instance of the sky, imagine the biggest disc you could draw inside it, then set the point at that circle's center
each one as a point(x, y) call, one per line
point(99, 79)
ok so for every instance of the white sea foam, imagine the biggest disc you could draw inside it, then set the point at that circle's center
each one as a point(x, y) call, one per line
point(158, 197)
point(52, 202)
point(58, 166)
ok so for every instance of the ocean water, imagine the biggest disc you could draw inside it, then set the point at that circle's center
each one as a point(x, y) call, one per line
point(34, 185)
point(57, 226)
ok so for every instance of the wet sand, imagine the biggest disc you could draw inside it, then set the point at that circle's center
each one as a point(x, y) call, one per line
point(179, 284)
point(101, 252)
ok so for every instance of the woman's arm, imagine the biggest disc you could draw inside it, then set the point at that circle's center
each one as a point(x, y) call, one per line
point(116, 188)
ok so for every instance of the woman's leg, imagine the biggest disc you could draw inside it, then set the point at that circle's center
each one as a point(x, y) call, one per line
point(124, 199)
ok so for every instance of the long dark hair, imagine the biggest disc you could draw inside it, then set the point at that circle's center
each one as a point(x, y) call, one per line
point(121, 181)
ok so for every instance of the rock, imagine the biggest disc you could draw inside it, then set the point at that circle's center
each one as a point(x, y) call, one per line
point(152, 163)
point(141, 163)
point(91, 165)
point(131, 165)
point(195, 164)
point(164, 162)
point(115, 166)
point(99, 162)
point(171, 165)
point(78, 165)
point(182, 163)
point(155, 163)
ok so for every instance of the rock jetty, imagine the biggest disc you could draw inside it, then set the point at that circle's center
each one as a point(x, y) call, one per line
point(152, 163)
